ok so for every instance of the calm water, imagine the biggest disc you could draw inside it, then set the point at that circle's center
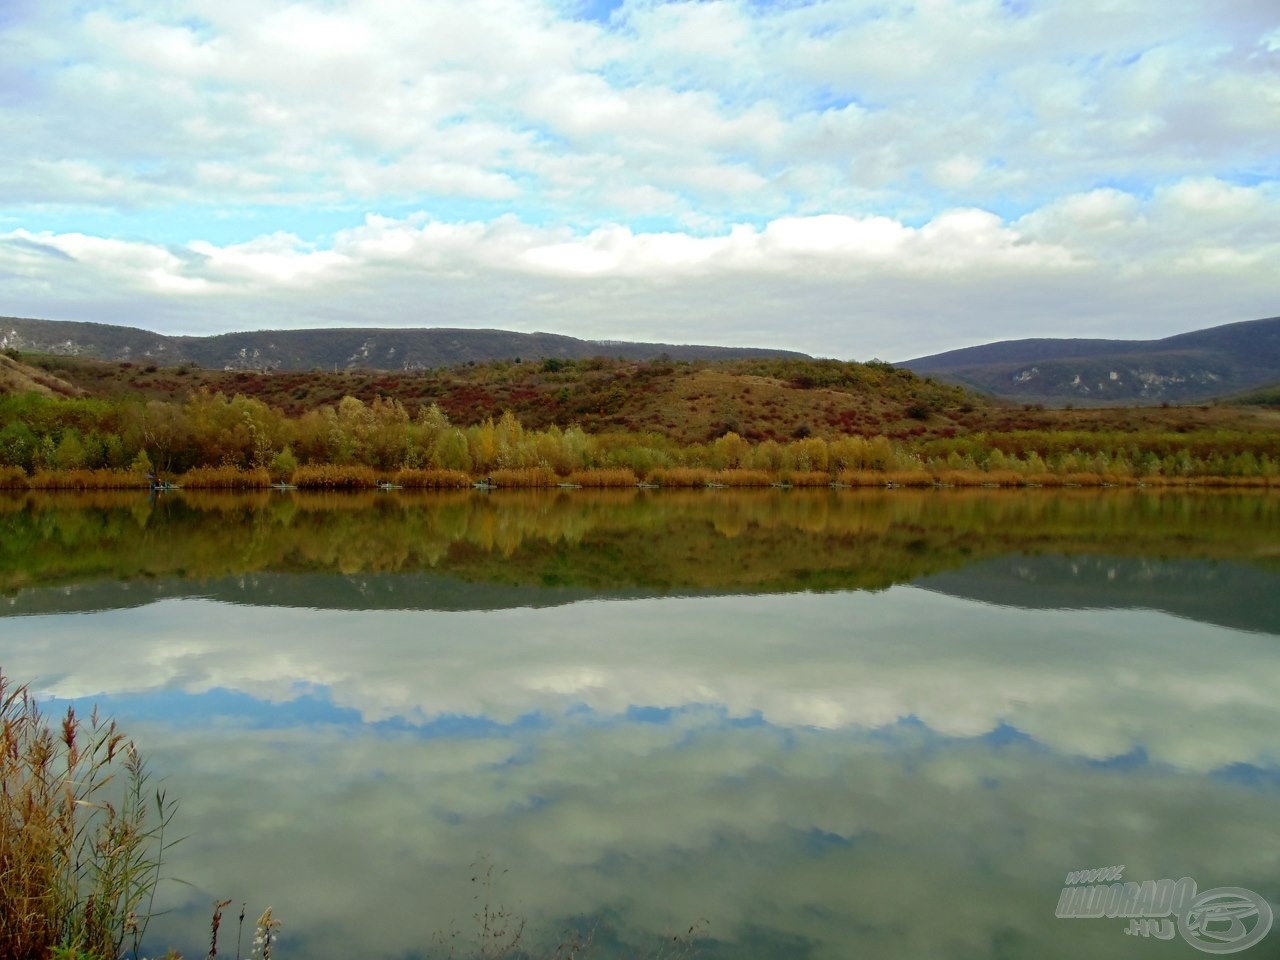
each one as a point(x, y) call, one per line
point(808, 724)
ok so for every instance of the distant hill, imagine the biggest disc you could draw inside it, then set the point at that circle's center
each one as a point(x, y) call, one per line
point(342, 348)
point(1186, 368)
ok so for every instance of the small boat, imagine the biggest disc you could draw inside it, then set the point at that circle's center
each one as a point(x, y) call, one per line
point(387, 485)
point(283, 486)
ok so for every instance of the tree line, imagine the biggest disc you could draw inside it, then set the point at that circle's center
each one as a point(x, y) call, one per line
point(213, 430)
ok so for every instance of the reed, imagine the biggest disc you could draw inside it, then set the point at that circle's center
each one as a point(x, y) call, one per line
point(680, 476)
point(524, 477)
point(226, 478)
point(806, 478)
point(82, 834)
point(88, 480)
point(743, 478)
point(603, 477)
point(1081, 478)
point(13, 478)
point(330, 476)
point(431, 479)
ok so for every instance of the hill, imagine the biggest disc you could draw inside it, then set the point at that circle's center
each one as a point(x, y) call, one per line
point(1186, 368)
point(690, 401)
point(337, 349)
point(18, 377)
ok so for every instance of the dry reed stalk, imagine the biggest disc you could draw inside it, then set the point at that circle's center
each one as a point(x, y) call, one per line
point(330, 476)
point(679, 476)
point(431, 479)
point(524, 477)
point(81, 835)
point(603, 477)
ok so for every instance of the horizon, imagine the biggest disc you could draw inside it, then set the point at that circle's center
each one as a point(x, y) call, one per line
point(834, 177)
point(746, 346)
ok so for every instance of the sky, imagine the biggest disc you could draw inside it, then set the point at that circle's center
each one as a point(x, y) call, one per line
point(848, 178)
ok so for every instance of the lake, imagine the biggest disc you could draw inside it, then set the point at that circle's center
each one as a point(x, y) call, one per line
point(770, 723)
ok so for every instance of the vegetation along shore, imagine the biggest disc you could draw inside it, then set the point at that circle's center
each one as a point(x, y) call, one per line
point(72, 423)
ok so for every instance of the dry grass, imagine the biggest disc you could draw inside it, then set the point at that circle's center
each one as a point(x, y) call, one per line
point(81, 834)
point(743, 478)
point(619, 477)
point(431, 479)
point(88, 480)
point(524, 477)
point(13, 478)
point(806, 478)
point(862, 478)
point(226, 478)
point(334, 477)
point(680, 477)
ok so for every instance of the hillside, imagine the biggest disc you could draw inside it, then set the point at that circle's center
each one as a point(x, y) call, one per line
point(689, 401)
point(336, 349)
point(1186, 368)
point(18, 377)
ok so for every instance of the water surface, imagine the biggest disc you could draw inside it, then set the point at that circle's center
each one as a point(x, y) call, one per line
point(824, 724)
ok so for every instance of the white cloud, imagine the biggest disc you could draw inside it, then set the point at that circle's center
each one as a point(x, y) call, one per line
point(677, 140)
point(1202, 247)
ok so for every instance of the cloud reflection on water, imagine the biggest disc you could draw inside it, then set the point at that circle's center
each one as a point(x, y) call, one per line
point(897, 774)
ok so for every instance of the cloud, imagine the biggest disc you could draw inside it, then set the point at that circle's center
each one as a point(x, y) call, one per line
point(867, 285)
point(723, 161)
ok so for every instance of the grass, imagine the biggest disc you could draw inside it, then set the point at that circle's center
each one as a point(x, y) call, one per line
point(82, 834)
